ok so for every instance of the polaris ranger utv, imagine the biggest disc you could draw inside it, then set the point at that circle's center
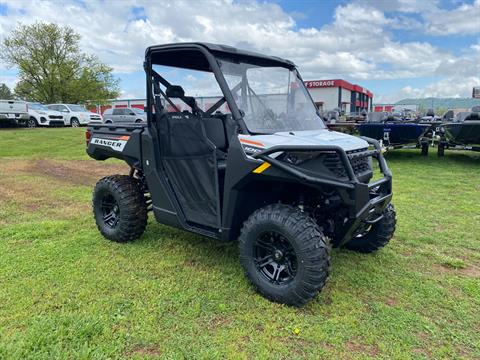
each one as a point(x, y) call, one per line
point(255, 164)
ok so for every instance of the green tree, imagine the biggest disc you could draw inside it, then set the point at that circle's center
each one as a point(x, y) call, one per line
point(422, 109)
point(52, 68)
point(5, 93)
point(440, 110)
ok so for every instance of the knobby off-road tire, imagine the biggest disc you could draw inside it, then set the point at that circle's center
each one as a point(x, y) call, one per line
point(298, 248)
point(425, 146)
point(379, 234)
point(119, 208)
point(441, 149)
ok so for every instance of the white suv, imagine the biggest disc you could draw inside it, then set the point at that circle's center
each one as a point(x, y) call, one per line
point(76, 115)
point(40, 115)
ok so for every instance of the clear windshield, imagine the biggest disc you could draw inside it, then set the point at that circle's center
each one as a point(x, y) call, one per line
point(273, 99)
point(77, 108)
point(37, 106)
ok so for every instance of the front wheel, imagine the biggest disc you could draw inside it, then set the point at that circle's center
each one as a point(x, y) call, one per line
point(378, 235)
point(119, 208)
point(32, 123)
point(285, 254)
point(74, 122)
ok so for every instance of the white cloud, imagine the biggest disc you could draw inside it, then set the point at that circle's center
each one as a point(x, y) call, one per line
point(465, 19)
point(445, 88)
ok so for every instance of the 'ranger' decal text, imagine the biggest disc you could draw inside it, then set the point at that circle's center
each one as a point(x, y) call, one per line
point(116, 145)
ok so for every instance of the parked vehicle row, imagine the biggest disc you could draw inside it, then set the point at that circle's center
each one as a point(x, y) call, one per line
point(33, 114)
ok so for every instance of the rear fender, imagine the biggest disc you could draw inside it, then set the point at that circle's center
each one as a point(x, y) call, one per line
point(116, 142)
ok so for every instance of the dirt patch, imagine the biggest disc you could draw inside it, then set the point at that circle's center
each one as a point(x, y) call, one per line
point(190, 262)
point(143, 351)
point(391, 301)
point(357, 346)
point(27, 184)
point(471, 271)
point(78, 172)
point(29, 197)
point(218, 321)
point(468, 270)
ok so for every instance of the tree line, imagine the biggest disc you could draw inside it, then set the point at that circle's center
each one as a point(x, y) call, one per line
point(52, 67)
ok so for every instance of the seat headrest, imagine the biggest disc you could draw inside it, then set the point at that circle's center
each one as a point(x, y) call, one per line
point(175, 91)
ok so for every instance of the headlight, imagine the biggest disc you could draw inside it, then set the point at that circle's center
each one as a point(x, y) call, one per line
point(297, 157)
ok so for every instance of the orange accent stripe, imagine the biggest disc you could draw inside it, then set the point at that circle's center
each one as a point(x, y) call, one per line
point(124, 137)
point(251, 142)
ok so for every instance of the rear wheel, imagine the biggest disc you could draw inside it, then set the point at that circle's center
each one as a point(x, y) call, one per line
point(377, 236)
point(74, 122)
point(119, 208)
point(285, 254)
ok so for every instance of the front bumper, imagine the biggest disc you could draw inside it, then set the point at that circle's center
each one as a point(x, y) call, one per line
point(17, 119)
point(51, 120)
point(365, 201)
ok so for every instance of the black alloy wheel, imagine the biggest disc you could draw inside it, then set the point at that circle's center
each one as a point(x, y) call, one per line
point(275, 258)
point(110, 211)
point(120, 208)
point(285, 254)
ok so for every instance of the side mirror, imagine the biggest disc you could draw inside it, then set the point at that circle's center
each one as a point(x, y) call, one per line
point(132, 113)
point(65, 110)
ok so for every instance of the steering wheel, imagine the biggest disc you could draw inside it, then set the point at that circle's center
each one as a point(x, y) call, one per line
point(267, 118)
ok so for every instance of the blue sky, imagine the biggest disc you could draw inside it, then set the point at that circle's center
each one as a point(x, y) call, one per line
point(395, 48)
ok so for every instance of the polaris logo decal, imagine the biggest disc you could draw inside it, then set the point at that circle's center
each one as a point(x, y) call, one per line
point(249, 150)
point(114, 144)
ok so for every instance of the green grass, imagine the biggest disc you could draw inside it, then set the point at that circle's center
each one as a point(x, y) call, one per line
point(65, 292)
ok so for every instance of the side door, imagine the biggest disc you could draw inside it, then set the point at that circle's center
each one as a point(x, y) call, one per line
point(64, 110)
point(107, 115)
point(190, 162)
point(130, 116)
point(117, 115)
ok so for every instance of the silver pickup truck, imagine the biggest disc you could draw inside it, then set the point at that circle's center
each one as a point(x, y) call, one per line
point(13, 112)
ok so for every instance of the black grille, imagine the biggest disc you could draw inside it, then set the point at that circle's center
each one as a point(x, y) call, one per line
point(56, 123)
point(334, 164)
point(55, 116)
point(360, 165)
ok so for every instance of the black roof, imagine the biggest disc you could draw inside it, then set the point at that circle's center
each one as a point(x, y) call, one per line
point(220, 50)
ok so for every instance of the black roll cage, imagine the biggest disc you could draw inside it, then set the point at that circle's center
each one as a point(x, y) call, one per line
point(152, 76)
point(209, 51)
